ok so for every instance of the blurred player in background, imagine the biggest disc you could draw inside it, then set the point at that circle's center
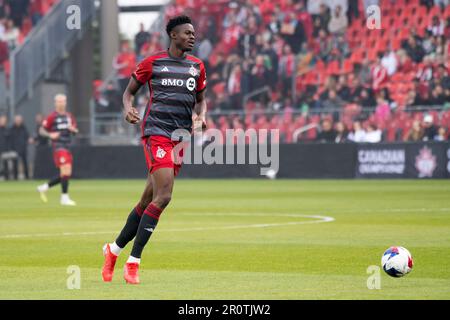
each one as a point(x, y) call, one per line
point(177, 84)
point(60, 126)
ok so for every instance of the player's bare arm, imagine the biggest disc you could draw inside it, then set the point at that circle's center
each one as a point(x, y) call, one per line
point(131, 113)
point(73, 129)
point(200, 110)
point(51, 135)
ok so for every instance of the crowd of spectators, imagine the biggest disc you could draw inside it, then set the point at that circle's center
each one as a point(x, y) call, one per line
point(14, 141)
point(17, 18)
point(298, 57)
point(421, 130)
point(317, 57)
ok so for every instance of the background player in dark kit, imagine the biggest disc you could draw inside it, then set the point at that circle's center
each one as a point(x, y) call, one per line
point(60, 126)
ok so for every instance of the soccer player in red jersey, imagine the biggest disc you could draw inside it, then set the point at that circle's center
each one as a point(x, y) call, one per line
point(60, 126)
point(177, 83)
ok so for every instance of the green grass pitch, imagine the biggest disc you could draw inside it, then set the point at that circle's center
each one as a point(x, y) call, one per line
point(231, 239)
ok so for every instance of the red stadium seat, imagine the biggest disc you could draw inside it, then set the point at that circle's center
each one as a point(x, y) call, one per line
point(21, 38)
point(400, 3)
point(250, 106)
point(404, 33)
point(311, 134)
point(347, 66)
point(397, 23)
point(435, 115)
point(445, 120)
point(275, 122)
point(396, 44)
point(333, 67)
point(311, 78)
point(300, 121)
point(410, 10)
point(320, 65)
point(27, 25)
point(289, 132)
point(387, 11)
point(357, 56)
point(381, 45)
point(372, 54)
point(422, 12)
point(7, 67)
point(405, 127)
point(447, 12)
point(435, 11)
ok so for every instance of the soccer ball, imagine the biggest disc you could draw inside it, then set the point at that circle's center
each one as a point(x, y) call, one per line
point(397, 261)
point(271, 174)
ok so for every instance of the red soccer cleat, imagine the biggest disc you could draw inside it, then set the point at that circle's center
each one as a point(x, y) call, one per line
point(131, 275)
point(110, 262)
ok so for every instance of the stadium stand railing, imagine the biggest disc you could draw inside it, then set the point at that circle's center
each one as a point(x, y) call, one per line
point(45, 46)
point(3, 94)
point(108, 128)
point(254, 94)
point(294, 126)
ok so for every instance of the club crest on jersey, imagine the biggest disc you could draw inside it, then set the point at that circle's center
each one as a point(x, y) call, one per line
point(160, 153)
point(193, 71)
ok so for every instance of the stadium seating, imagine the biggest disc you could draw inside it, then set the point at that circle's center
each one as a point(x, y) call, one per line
point(401, 19)
point(40, 7)
point(365, 44)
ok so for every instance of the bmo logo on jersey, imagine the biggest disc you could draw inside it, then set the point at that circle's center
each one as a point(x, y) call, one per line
point(190, 83)
point(61, 124)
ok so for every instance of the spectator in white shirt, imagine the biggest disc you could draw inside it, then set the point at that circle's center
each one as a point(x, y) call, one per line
point(358, 134)
point(437, 27)
point(313, 6)
point(11, 35)
point(389, 62)
point(2, 29)
point(443, 3)
point(338, 22)
point(373, 135)
point(333, 4)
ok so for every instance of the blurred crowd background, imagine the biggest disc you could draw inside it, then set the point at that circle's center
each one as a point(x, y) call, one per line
point(296, 64)
point(314, 70)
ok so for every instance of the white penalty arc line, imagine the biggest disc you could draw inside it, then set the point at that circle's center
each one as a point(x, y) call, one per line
point(318, 219)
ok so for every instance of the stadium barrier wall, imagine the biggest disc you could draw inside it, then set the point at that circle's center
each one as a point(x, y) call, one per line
point(308, 161)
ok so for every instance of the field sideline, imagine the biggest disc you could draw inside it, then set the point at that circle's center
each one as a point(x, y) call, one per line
point(231, 239)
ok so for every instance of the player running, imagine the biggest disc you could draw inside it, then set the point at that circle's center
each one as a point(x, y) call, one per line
point(60, 126)
point(177, 83)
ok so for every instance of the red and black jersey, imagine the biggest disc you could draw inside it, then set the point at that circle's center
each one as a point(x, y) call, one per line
point(174, 84)
point(57, 122)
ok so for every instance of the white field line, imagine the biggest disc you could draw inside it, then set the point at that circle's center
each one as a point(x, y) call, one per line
point(317, 219)
point(414, 210)
point(320, 219)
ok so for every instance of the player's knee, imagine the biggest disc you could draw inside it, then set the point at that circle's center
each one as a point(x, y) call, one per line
point(144, 203)
point(146, 199)
point(163, 200)
point(66, 171)
point(66, 175)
